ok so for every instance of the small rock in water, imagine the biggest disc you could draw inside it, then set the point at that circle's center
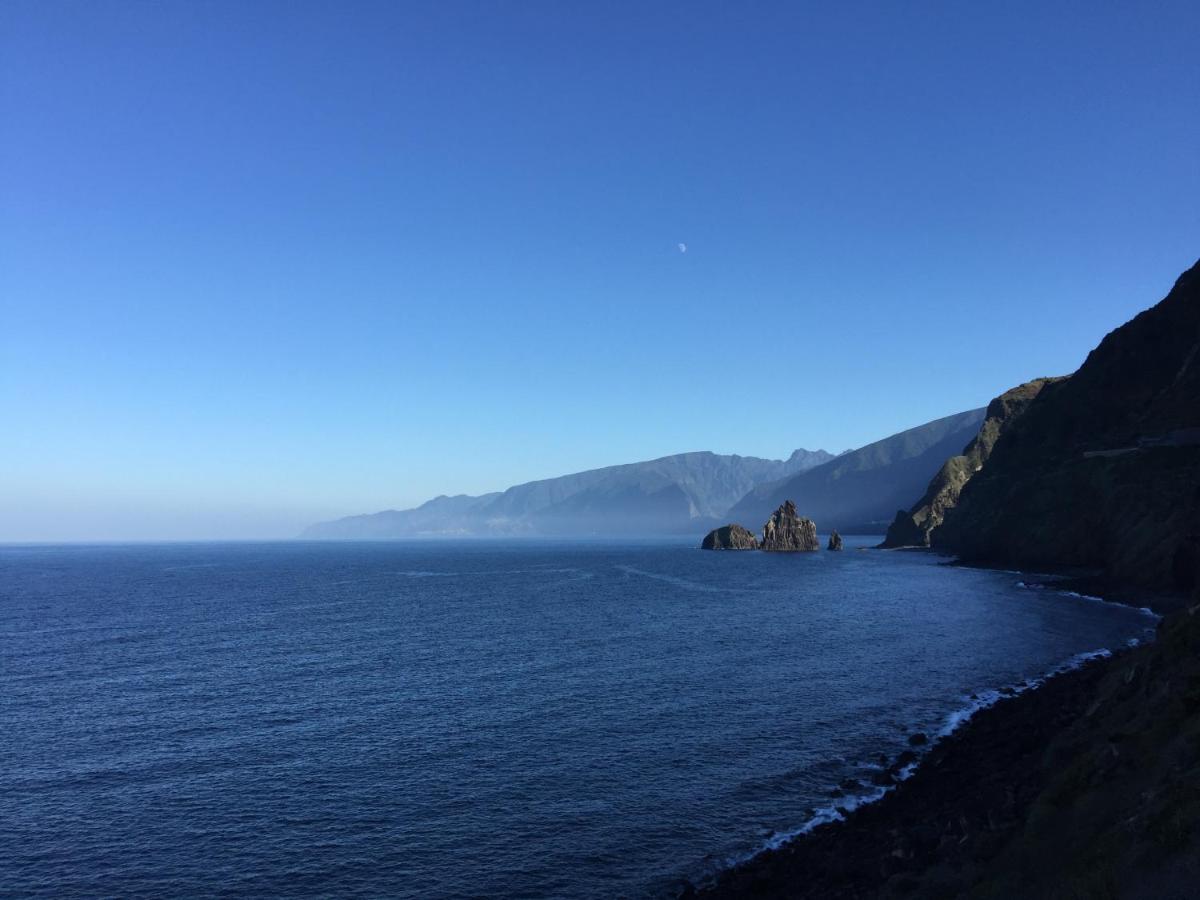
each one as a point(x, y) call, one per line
point(730, 537)
point(835, 540)
point(906, 757)
point(918, 739)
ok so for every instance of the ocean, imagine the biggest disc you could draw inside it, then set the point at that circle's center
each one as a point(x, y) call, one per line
point(500, 719)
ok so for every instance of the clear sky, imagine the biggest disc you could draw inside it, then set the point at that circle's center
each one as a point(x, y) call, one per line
point(267, 263)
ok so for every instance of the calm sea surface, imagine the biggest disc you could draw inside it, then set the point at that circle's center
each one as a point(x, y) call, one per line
point(483, 719)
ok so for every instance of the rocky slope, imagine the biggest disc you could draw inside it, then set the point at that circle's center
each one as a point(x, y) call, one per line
point(668, 495)
point(860, 491)
point(912, 528)
point(1086, 787)
point(729, 537)
point(788, 531)
point(1102, 470)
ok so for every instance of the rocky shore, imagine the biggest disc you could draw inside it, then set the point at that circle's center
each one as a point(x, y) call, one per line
point(1087, 786)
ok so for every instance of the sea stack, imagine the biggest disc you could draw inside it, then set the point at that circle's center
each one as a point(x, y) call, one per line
point(788, 531)
point(835, 540)
point(730, 537)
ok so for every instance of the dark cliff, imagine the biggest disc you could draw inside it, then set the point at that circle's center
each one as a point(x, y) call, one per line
point(1102, 471)
point(912, 528)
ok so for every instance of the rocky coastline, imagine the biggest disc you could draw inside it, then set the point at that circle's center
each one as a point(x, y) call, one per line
point(1082, 786)
point(1089, 784)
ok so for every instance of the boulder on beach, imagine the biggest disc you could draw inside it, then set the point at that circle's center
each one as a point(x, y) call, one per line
point(788, 531)
point(730, 537)
point(835, 540)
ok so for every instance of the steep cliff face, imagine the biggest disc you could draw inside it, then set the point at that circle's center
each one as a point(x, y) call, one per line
point(787, 530)
point(1102, 470)
point(912, 528)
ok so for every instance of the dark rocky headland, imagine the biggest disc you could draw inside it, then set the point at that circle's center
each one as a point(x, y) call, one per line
point(1102, 469)
point(913, 528)
point(1088, 786)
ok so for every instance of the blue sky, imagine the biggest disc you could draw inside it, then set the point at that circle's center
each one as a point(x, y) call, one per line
point(263, 263)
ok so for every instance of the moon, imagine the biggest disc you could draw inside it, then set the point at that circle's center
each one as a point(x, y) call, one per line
point(682, 247)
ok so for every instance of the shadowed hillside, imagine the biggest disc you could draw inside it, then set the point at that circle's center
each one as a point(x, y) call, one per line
point(1102, 470)
point(912, 528)
point(861, 490)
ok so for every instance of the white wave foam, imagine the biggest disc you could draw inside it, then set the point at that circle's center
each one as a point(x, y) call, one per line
point(1144, 610)
point(837, 811)
point(985, 699)
point(833, 813)
point(673, 580)
point(1037, 586)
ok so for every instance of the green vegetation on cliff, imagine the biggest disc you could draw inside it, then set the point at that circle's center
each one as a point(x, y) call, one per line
point(912, 528)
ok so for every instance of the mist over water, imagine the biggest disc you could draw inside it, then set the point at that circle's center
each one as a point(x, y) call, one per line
point(502, 719)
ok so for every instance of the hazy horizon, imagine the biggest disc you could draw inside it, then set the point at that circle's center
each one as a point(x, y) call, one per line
point(270, 264)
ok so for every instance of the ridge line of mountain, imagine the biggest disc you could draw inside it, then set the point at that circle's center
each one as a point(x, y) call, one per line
point(667, 494)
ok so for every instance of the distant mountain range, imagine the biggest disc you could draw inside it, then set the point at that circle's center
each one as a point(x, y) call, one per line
point(684, 493)
point(688, 493)
point(860, 492)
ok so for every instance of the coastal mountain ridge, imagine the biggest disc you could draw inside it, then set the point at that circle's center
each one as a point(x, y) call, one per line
point(857, 491)
point(860, 491)
point(1102, 470)
point(669, 495)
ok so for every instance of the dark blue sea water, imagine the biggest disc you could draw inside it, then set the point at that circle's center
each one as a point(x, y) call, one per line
point(492, 719)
